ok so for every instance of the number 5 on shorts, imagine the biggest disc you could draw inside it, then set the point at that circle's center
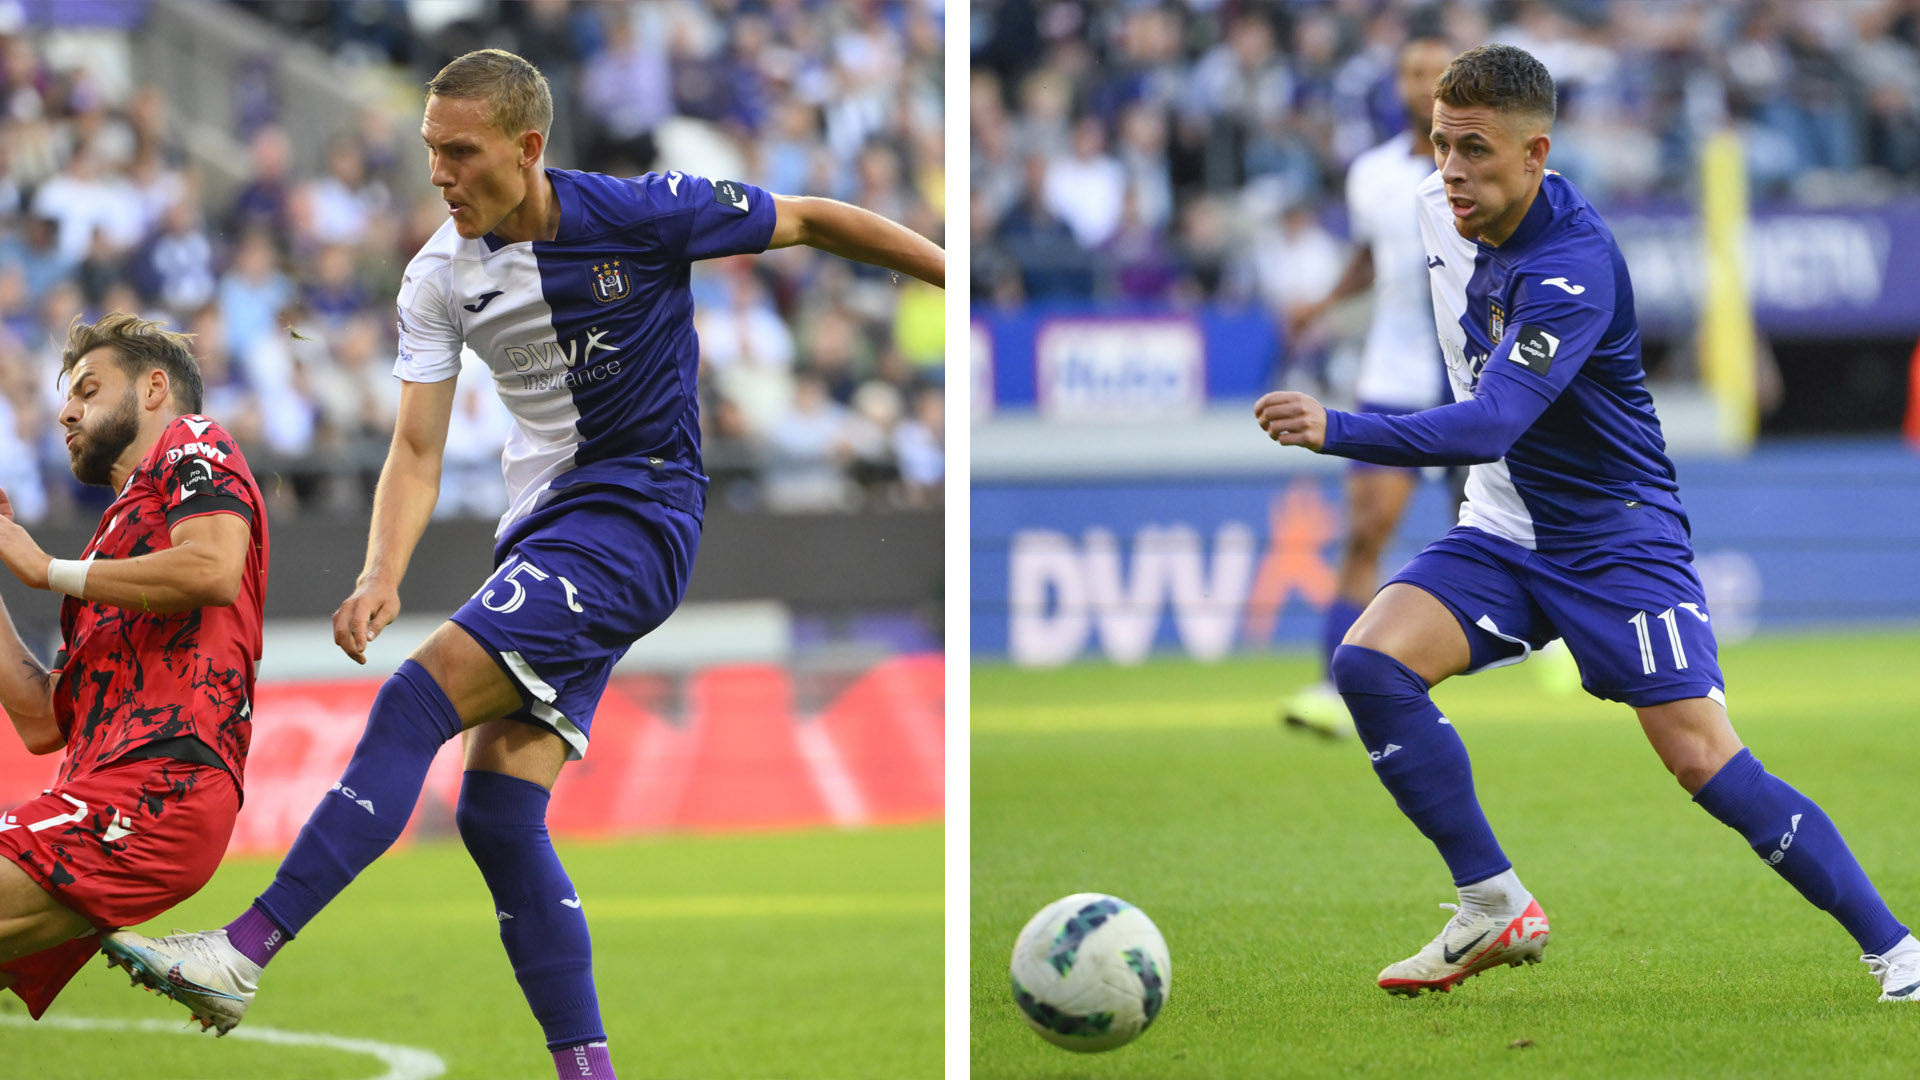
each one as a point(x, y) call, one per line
point(512, 603)
point(514, 571)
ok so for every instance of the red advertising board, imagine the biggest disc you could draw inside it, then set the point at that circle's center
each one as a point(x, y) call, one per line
point(747, 746)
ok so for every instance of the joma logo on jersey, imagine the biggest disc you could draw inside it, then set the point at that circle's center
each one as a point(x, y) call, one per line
point(545, 354)
point(610, 282)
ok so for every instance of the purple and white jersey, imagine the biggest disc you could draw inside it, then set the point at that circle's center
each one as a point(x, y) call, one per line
point(1550, 401)
point(589, 335)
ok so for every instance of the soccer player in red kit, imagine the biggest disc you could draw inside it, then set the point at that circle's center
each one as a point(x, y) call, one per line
point(150, 694)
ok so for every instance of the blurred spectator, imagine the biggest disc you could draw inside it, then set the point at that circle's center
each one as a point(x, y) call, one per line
point(174, 268)
point(226, 396)
point(81, 201)
point(263, 202)
point(1050, 257)
point(334, 293)
point(870, 428)
point(1202, 103)
point(920, 447)
point(747, 349)
point(1086, 188)
point(342, 204)
point(252, 292)
point(627, 92)
point(1290, 266)
point(811, 448)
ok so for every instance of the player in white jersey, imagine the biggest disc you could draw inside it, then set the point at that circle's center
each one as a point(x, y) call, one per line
point(1400, 367)
point(573, 288)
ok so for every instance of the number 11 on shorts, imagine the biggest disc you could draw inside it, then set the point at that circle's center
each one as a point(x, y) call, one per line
point(1639, 621)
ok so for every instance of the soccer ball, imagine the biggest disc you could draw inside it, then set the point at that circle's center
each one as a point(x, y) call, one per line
point(1090, 972)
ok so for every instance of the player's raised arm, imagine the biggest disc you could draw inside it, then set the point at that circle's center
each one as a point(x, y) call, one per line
point(203, 568)
point(854, 233)
point(402, 506)
point(208, 506)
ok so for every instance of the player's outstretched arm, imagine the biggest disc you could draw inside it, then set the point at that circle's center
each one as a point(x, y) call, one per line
point(203, 568)
point(402, 506)
point(26, 688)
point(853, 233)
point(26, 692)
point(1470, 432)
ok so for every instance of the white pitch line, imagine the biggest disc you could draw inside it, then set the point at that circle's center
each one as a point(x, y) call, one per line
point(402, 1062)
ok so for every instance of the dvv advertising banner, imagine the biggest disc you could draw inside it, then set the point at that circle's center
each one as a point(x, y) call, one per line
point(1066, 571)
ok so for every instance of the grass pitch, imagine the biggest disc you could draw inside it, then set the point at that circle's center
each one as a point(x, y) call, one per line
point(1284, 878)
point(799, 954)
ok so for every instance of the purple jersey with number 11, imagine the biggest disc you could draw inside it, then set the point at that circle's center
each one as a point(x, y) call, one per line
point(589, 336)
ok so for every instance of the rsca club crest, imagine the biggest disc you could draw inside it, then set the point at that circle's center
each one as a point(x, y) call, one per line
point(1496, 321)
point(610, 282)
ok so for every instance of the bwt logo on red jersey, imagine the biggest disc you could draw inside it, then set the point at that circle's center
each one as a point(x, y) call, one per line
point(204, 449)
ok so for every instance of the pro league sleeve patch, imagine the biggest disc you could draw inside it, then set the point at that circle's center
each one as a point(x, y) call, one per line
point(730, 193)
point(1534, 349)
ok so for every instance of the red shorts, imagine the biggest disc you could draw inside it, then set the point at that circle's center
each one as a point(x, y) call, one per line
point(118, 846)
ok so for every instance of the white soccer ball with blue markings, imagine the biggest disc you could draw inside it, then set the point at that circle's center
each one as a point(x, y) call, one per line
point(1091, 972)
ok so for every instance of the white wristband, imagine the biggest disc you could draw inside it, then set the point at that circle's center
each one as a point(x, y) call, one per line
point(68, 576)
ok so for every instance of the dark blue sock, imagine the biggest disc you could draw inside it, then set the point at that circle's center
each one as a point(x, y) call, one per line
point(1420, 758)
point(503, 819)
point(367, 809)
point(1340, 617)
point(1797, 839)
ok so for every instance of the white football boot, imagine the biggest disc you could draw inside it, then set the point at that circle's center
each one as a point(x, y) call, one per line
point(1469, 944)
point(1898, 971)
point(1320, 709)
point(200, 970)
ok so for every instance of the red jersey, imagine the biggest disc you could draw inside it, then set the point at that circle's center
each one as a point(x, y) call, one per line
point(128, 677)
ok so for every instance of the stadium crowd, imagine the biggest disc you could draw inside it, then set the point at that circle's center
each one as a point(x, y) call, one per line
point(1155, 151)
point(823, 382)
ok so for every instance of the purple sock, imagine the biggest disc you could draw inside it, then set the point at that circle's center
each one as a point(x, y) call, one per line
point(503, 820)
point(367, 809)
point(585, 1061)
point(255, 935)
point(1420, 758)
point(1340, 617)
point(1798, 840)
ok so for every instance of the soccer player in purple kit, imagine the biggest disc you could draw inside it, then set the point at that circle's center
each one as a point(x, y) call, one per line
point(1572, 529)
point(573, 287)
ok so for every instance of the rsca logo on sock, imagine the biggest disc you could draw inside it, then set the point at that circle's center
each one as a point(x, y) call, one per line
point(365, 804)
point(1785, 841)
point(1382, 755)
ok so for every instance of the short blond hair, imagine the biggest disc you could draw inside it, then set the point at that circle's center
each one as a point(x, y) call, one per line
point(139, 345)
point(517, 96)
